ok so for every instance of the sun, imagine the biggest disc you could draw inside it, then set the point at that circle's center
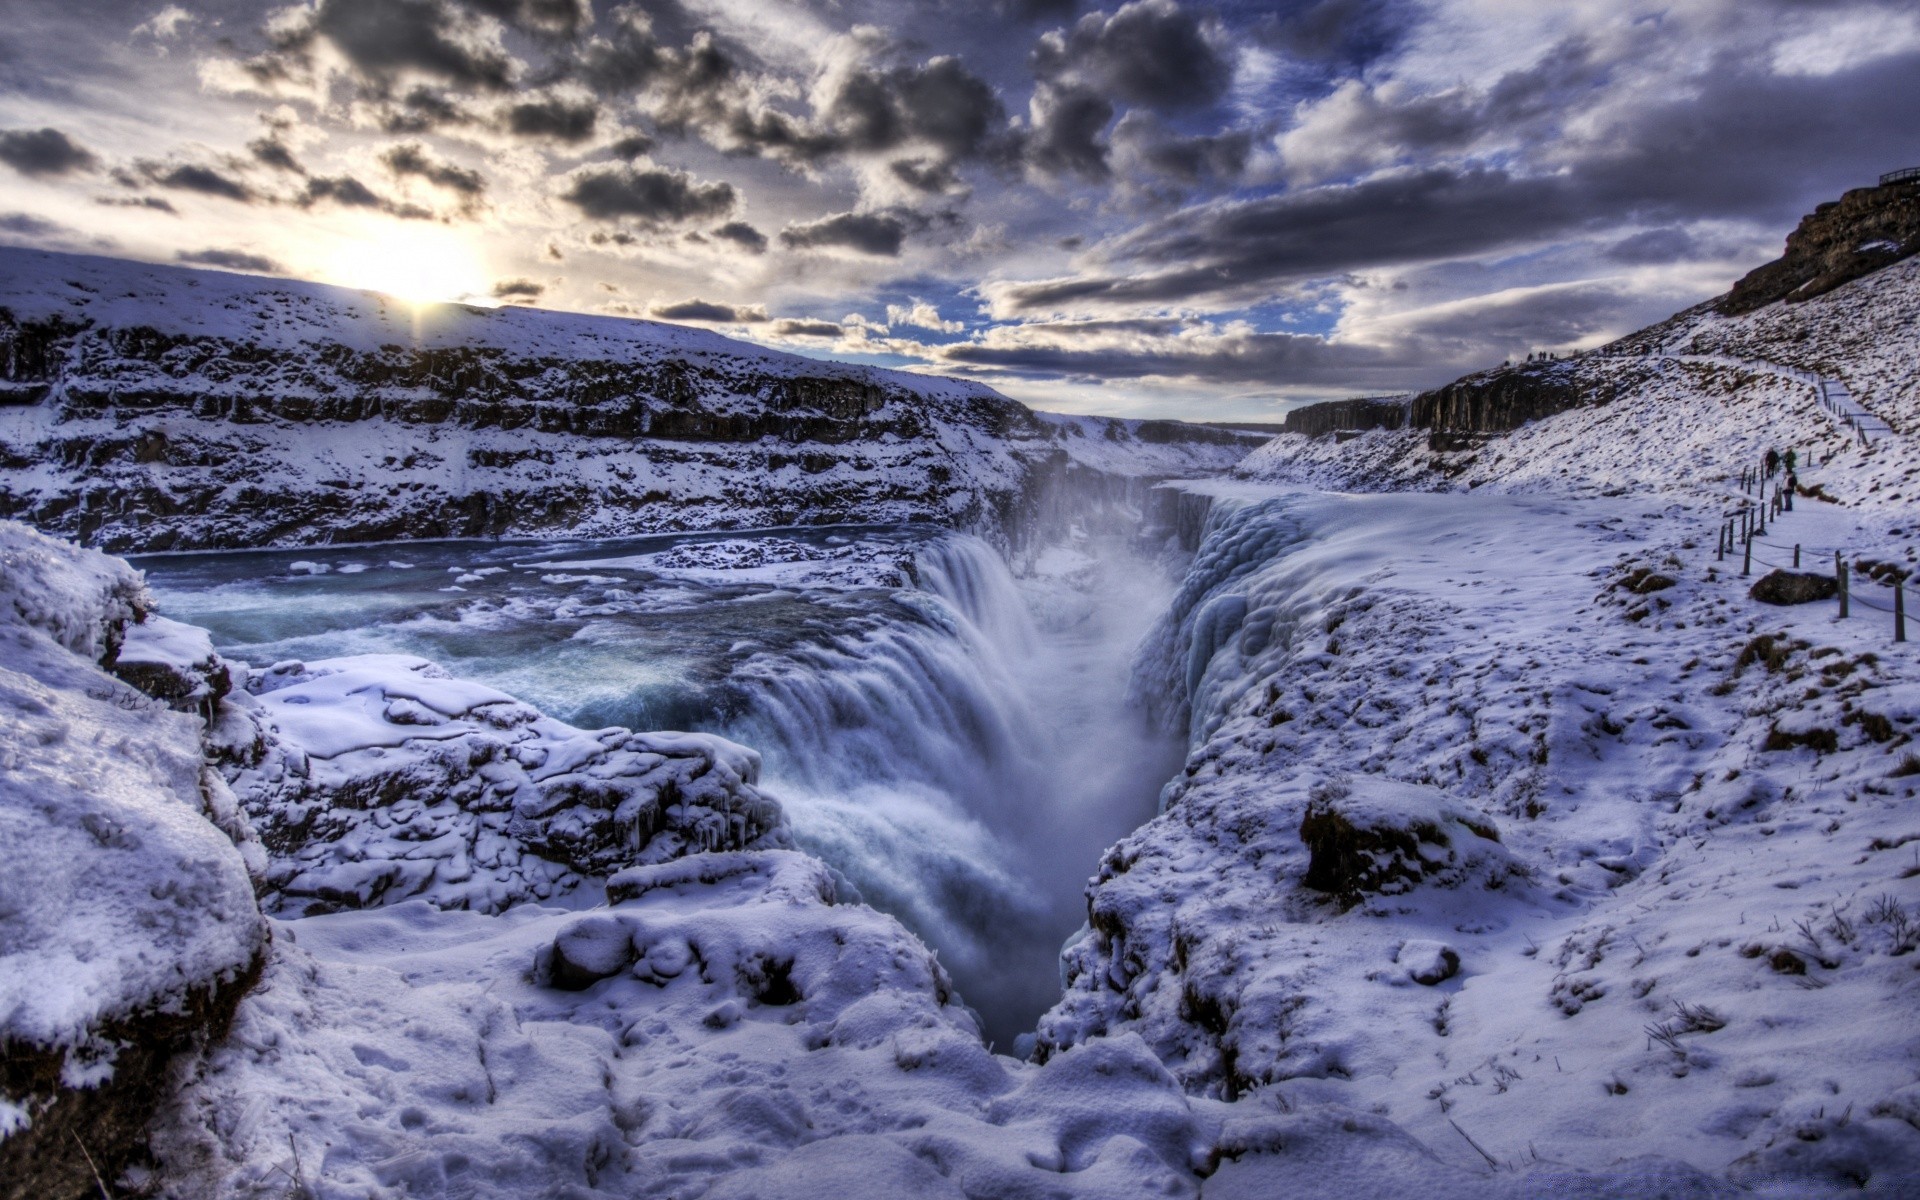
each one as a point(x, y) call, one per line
point(421, 265)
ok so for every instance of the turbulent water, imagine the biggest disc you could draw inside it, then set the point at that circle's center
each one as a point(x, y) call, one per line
point(956, 743)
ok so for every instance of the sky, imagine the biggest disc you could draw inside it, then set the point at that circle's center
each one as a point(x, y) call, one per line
point(1156, 208)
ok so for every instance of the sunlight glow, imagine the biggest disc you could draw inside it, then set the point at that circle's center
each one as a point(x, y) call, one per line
point(421, 264)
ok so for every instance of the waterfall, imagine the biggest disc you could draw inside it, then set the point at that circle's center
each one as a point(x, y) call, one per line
point(960, 769)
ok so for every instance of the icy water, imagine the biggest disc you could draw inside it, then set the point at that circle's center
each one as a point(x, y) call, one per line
point(956, 744)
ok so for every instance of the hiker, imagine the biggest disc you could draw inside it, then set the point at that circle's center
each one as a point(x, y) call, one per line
point(1773, 462)
point(1792, 457)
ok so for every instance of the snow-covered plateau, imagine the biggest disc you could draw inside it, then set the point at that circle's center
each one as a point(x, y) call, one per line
point(153, 407)
point(1517, 849)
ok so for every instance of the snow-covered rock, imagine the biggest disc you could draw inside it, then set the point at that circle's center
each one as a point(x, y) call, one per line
point(379, 778)
point(128, 927)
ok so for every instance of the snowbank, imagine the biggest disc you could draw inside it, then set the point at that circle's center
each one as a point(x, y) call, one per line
point(128, 926)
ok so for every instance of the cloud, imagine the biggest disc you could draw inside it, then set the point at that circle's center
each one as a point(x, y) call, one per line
point(658, 195)
point(707, 311)
point(28, 225)
point(166, 24)
point(1066, 126)
point(518, 289)
point(1653, 246)
point(868, 233)
point(939, 104)
point(155, 203)
point(1150, 52)
point(743, 235)
point(232, 260)
point(40, 152)
point(412, 159)
point(792, 328)
point(922, 315)
point(551, 17)
point(1249, 248)
point(348, 192)
point(566, 118)
point(188, 177)
point(385, 39)
point(274, 153)
point(1180, 350)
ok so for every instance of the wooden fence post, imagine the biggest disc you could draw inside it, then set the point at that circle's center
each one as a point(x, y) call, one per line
point(1899, 608)
point(1746, 565)
point(1796, 556)
point(1840, 577)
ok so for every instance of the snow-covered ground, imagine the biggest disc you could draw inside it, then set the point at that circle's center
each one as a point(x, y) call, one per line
point(1692, 937)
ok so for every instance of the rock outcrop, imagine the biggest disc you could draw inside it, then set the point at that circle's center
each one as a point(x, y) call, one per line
point(1863, 231)
point(1344, 416)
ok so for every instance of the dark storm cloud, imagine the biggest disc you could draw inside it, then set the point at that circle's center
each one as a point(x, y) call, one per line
point(411, 158)
point(1716, 155)
point(423, 110)
point(1067, 123)
point(705, 310)
point(187, 177)
point(806, 329)
point(1654, 246)
point(654, 194)
point(43, 152)
point(348, 192)
point(518, 289)
point(1150, 52)
point(879, 234)
point(743, 235)
point(554, 17)
point(232, 260)
point(1242, 358)
point(28, 225)
point(631, 146)
point(156, 203)
point(560, 118)
point(1146, 146)
point(1224, 247)
point(939, 103)
point(274, 153)
point(383, 39)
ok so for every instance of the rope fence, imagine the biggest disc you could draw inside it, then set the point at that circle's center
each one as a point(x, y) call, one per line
point(1744, 529)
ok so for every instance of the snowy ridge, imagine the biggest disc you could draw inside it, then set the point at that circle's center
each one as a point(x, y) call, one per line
point(1679, 409)
point(151, 407)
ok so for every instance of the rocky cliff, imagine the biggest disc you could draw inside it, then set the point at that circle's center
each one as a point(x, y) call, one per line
point(1863, 231)
point(152, 408)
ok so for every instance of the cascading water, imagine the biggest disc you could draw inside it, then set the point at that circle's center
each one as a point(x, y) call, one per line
point(961, 764)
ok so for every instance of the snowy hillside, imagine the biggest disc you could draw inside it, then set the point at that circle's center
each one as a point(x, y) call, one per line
point(1676, 409)
point(1510, 814)
point(150, 407)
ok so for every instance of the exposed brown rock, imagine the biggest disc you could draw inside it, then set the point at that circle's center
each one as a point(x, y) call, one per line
point(1863, 231)
point(1793, 587)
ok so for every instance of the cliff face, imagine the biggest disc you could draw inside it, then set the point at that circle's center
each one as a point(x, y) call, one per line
point(1863, 231)
point(151, 408)
point(1335, 416)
